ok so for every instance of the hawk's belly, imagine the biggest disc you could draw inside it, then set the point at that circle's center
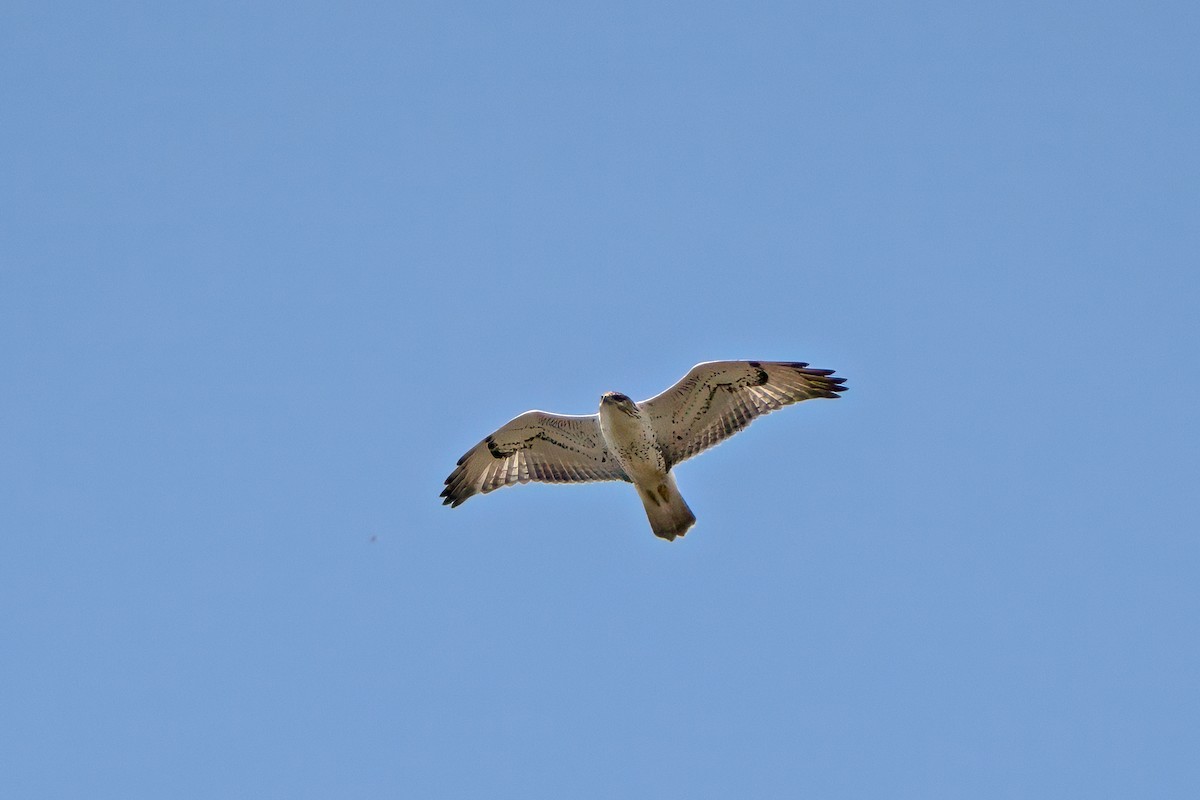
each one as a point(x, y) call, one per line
point(632, 442)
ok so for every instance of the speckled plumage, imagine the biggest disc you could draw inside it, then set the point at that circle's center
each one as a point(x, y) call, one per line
point(639, 442)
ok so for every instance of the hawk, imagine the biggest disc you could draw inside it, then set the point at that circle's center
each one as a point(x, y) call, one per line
point(639, 442)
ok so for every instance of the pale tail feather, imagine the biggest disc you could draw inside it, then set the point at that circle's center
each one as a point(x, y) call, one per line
point(669, 515)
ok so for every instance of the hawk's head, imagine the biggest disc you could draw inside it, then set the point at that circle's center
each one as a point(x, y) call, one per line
point(620, 402)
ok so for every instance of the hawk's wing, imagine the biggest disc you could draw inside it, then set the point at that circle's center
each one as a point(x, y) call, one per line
point(535, 446)
point(719, 398)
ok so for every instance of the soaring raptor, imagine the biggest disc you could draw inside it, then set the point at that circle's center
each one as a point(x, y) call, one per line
point(639, 442)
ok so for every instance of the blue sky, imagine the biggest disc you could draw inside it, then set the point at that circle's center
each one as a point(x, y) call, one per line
point(267, 270)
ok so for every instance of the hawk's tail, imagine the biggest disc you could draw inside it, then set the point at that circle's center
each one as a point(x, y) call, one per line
point(668, 513)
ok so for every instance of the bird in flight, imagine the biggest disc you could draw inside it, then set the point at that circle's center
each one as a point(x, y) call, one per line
point(639, 442)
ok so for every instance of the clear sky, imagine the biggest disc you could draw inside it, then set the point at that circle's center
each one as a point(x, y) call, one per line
point(268, 270)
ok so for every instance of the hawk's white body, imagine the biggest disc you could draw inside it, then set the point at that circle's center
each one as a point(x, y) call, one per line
point(631, 440)
point(634, 444)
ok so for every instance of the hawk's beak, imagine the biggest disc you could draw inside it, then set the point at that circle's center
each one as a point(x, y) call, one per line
point(613, 399)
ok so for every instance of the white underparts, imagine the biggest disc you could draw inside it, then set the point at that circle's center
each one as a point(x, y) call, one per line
point(631, 441)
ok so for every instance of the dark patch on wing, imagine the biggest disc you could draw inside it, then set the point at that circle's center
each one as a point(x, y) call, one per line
point(524, 444)
point(762, 377)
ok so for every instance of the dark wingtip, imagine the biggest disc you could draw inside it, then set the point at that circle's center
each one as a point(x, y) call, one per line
point(837, 388)
point(449, 496)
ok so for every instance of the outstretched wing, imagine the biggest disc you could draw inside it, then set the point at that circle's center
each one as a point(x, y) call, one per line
point(535, 446)
point(719, 398)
